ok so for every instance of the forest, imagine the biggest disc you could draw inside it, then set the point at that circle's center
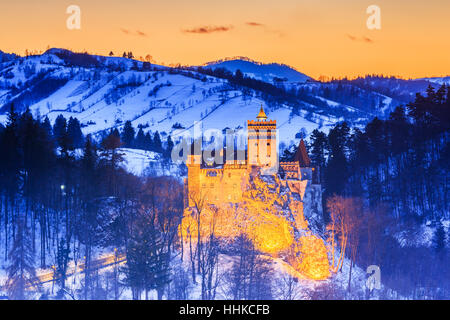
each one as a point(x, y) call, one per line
point(65, 198)
point(64, 195)
point(386, 182)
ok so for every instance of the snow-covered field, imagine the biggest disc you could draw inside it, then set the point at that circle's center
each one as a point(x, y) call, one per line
point(142, 162)
point(161, 99)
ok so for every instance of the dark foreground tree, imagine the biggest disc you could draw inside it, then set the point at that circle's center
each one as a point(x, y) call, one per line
point(147, 266)
point(21, 271)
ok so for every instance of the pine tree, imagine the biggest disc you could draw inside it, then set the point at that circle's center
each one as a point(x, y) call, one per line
point(288, 154)
point(12, 117)
point(74, 133)
point(90, 159)
point(62, 260)
point(21, 271)
point(439, 237)
point(60, 128)
point(168, 151)
point(140, 139)
point(10, 167)
point(157, 144)
point(87, 226)
point(148, 142)
point(46, 125)
point(115, 132)
point(128, 134)
point(111, 158)
point(336, 171)
point(147, 265)
point(318, 148)
point(109, 149)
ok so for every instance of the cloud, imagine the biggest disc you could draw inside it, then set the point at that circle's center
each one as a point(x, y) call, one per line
point(254, 24)
point(362, 39)
point(208, 29)
point(353, 38)
point(131, 33)
point(265, 28)
point(140, 33)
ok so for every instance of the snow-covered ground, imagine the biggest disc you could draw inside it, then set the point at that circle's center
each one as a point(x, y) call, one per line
point(283, 277)
point(265, 72)
point(161, 99)
point(420, 235)
point(439, 80)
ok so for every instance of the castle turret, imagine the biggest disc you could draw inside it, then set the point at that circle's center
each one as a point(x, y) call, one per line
point(261, 115)
point(301, 156)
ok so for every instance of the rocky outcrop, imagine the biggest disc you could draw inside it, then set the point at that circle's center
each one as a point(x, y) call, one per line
point(271, 214)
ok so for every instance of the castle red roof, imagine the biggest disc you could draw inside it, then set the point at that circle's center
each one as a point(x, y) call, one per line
point(301, 155)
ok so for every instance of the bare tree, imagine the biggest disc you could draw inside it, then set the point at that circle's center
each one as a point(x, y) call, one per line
point(286, 288)
point(250, 276)
point(209, 256)
point(180, 287)
point(198, 200)
point(345, 216)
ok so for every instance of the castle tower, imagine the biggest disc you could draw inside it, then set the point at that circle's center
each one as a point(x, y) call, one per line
point(262, 148)
point(193, 163)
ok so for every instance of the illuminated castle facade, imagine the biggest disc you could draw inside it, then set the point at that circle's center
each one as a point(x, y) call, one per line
point(225, 183)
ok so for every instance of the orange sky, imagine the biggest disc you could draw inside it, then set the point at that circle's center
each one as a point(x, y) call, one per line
point(318, 37)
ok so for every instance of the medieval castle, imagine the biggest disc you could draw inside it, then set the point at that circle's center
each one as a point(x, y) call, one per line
point(225, 183)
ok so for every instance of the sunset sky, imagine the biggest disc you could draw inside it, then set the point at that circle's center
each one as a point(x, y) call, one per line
point(317, 37)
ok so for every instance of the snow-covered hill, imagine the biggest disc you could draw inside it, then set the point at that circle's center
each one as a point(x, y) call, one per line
point(439, 80)
point(104, 92)
point(271, 72)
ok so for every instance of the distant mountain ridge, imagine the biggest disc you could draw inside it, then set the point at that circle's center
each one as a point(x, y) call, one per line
point(268, 72)
point(6, 56)
point(439, 80)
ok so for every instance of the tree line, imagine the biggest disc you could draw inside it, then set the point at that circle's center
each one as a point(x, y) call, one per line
point(64, 195)
point(387, 180)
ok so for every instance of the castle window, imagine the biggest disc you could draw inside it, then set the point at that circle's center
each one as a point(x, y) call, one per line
point(229, 175)
point(212, 185)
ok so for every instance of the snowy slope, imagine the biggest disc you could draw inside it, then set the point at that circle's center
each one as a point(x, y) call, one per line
point(103, 98)
point(104, 92)
point(439, 80)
